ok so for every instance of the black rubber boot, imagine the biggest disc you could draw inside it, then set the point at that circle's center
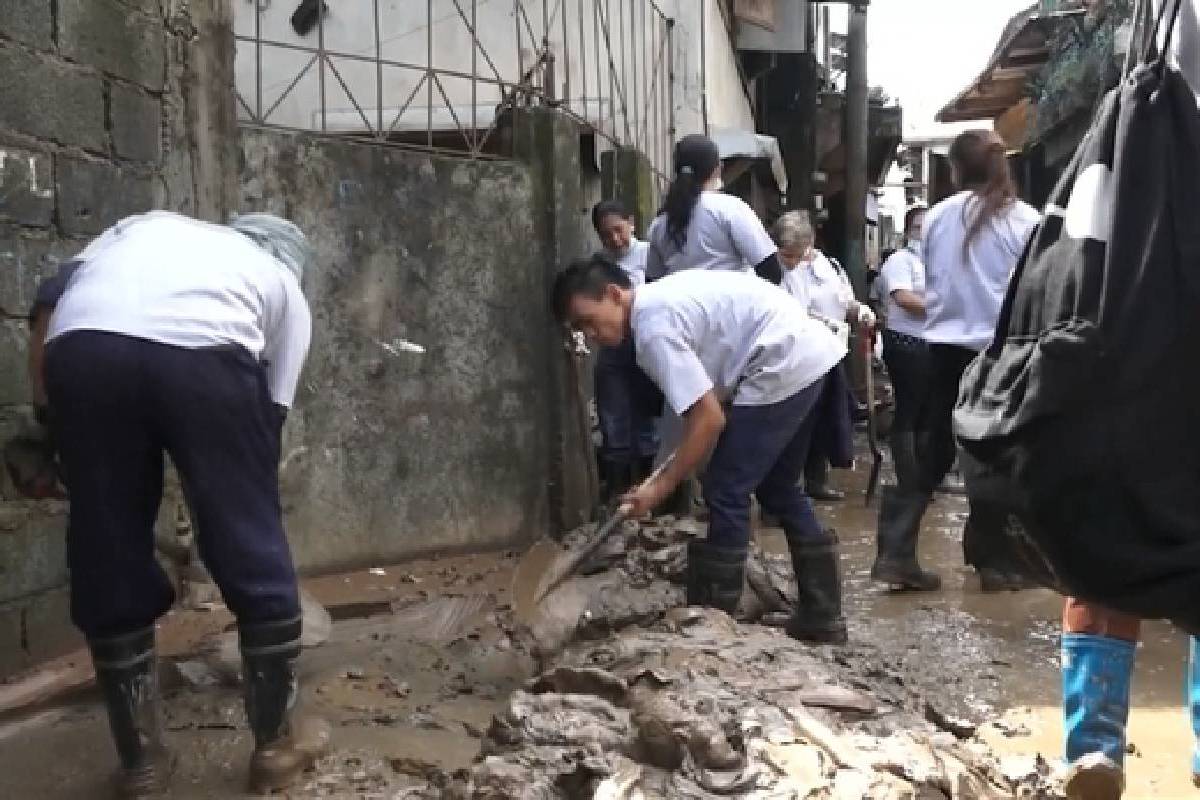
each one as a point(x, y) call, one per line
point(818, 615)
point(285, 743)
point(896, 563)
point(127, 672)
point(715, 575)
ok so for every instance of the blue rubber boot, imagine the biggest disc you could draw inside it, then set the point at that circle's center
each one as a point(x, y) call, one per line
point(1096, 673)
point(1193, 696)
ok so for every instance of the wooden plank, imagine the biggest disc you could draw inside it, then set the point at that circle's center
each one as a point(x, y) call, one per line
point(48, 682)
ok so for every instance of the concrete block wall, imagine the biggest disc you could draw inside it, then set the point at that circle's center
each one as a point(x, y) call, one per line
point(105, 106)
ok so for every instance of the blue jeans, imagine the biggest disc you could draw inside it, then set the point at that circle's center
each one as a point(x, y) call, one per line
point(762, 450)
point(623, 398)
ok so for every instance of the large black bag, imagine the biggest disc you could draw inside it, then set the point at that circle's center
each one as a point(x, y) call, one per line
point(1082, 418)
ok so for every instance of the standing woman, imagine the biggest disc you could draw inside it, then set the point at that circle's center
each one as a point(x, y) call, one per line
point(972, 242)
point(624, 394)
point(701, 227)
point(901, 285)
point(825, 290)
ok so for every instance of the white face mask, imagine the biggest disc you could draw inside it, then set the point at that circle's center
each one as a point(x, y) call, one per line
point(914, 247)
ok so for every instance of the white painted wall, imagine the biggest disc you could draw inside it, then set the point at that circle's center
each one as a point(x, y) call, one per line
point(628, 109)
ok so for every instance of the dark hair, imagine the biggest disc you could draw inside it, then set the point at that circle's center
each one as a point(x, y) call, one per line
point(981, 162)
point(910, 215)
point(696, 158)
point(585, 276)
point(607, 208)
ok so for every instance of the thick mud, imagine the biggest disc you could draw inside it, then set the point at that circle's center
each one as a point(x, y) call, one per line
point(434, 690)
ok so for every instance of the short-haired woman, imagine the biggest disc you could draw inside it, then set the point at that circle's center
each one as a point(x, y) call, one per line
point(901, 286)
point(625, 397)
point(824, 289)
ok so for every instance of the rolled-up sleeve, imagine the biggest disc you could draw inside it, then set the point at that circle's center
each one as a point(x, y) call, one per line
point(674, 366)
point(287, 332)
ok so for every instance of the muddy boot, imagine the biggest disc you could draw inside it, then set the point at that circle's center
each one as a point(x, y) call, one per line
point(1096, 672)
point(285, 743)
point(818, 615)
point(896, 564)
point(127, 672)
point(715, 575)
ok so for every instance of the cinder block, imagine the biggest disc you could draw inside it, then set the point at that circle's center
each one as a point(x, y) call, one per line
point(94, 195)
point(136, 124)
point(50, 100)
point(26, 187)
point(35, 630)
point(105, 35)
point(24, 261)
point(28, 22)
point(14, 389)
point(33, 549)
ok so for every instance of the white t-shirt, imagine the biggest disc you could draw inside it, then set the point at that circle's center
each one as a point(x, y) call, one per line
point(820, 287)
point(964, 292)
point(902, 270)
point(634, 261)
point(723, 234)
point(741, 336)
point(179, 281)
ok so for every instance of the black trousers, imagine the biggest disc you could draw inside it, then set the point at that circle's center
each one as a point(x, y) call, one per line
point(984, 537)
point(908, 364)
point(118, 404)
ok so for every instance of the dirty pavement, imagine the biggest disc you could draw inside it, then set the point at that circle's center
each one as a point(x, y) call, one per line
point(435, 690)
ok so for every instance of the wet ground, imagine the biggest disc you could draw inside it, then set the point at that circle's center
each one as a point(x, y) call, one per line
point(414, 691)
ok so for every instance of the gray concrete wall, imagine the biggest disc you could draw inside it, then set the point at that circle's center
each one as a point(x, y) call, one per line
point(391, 454)
point(107, 107)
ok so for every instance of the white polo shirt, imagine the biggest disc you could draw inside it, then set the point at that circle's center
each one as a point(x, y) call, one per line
point(633, 262)
point(820, 287)
point(723, 234)
point(902, 271)
point(172, 279)
point(737, 334)
point(964, 292)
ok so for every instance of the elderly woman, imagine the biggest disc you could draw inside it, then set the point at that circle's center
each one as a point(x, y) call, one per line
point(824, 289)
point(172, 335)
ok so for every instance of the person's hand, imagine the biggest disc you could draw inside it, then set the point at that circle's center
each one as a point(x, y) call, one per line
point(641, 501)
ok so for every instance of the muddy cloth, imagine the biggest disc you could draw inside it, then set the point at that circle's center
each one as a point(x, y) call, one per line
point(627, 403)
point(119, 403)
point(1082, 415)
point(763, 450)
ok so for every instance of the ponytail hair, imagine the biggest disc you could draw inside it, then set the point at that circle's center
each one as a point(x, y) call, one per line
point(980, 160)
point(696, 159)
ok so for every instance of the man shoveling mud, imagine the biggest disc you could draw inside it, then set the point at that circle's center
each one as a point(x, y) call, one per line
point(750, 373)
point(180, 336)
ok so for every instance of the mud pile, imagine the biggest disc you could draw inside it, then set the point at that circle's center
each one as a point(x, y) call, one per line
point(641, 697)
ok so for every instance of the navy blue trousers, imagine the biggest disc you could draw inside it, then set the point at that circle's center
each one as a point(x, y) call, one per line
point(118, 403)
point(624, 402)
point(762, 451)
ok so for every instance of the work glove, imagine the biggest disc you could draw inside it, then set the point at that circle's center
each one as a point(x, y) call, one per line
point(866, 317)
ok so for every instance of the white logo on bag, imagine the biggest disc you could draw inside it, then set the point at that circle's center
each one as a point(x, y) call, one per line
point(1089, 213)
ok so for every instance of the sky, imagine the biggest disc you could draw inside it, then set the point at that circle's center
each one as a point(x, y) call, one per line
point(924, 52)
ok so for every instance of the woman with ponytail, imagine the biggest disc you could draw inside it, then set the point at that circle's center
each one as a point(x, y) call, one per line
point(971, 244)
point(700, 227)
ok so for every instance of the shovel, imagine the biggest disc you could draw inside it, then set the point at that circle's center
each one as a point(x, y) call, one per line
point(872, 427)
point(546, 565)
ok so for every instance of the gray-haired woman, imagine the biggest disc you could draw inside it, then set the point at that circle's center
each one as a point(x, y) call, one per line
point(824, 289)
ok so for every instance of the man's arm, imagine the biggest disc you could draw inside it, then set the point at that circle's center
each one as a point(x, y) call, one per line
point(287, 340)
point(702, 426)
